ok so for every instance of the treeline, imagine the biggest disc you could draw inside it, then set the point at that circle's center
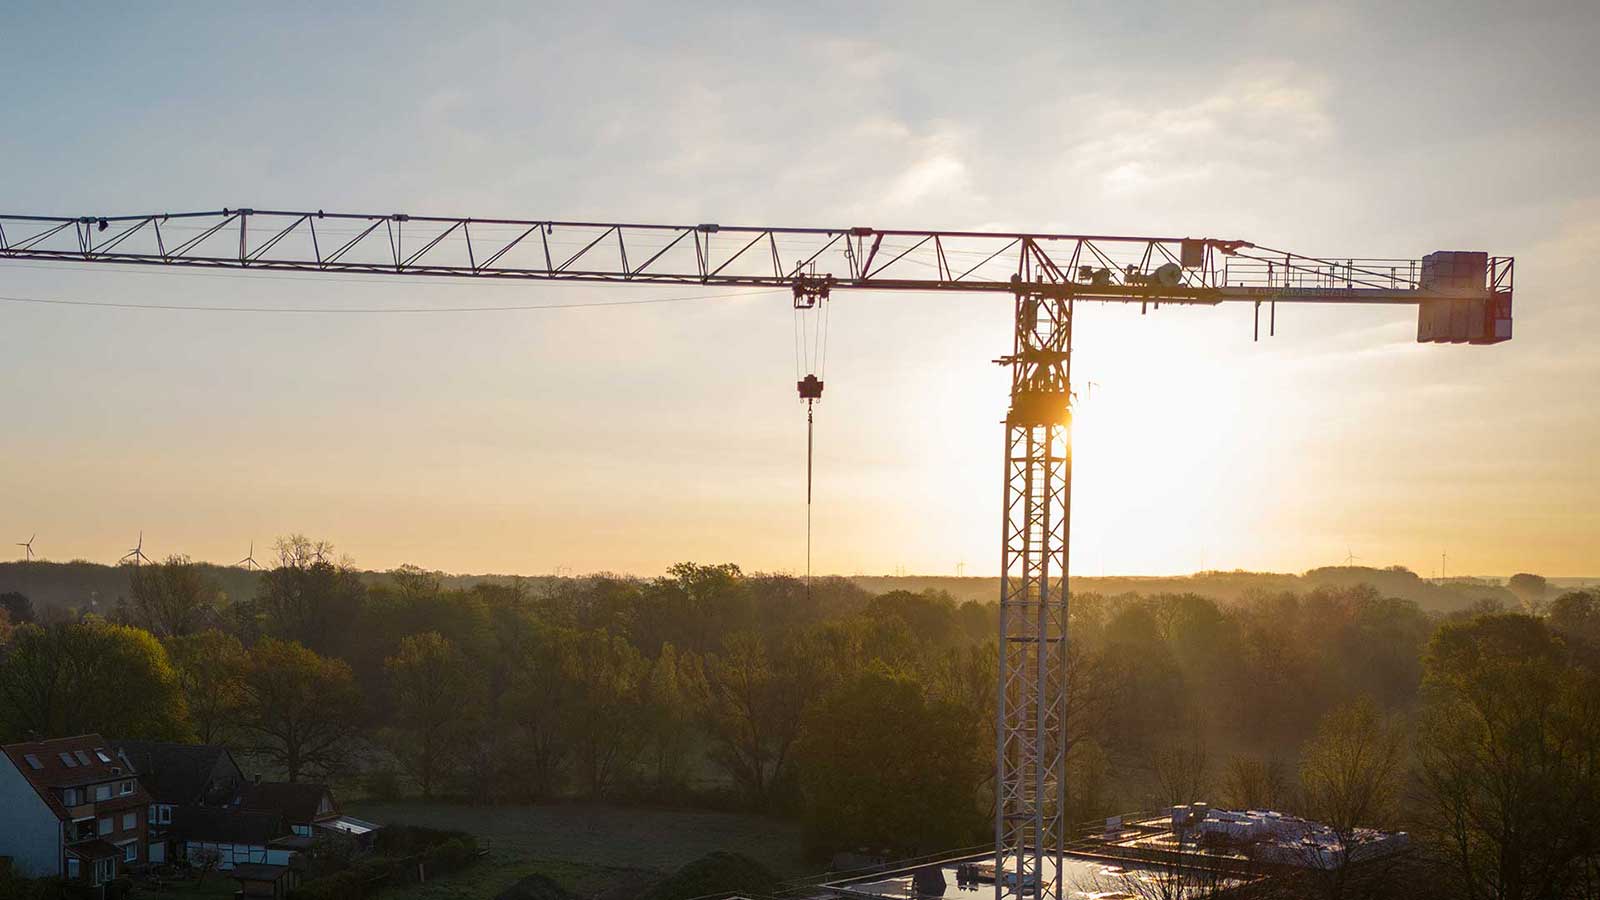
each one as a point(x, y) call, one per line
point(867, 716)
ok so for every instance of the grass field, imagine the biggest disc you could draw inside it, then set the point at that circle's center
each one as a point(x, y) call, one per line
point(588, 849)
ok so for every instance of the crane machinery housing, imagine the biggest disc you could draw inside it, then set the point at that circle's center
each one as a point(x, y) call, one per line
point(1462, 297)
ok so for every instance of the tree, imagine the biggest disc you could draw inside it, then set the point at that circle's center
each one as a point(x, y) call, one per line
point(79, 677)
point(1508, 749)
point(172, 598)
point(435, 696)
point(758, 692)
point(300, 709)
point(18, 606)
point(883, 766)
point(538, 698)
point(1576, 616)
point(675, 687)
point(210, 665)
point(1530, 591)
point(1181, 765)
point(1250, 782)
point(606, 721)
point(1351, 773)
point(309, 597)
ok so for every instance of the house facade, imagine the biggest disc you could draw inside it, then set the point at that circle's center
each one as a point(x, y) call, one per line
point(180, 776)
point(71, 808)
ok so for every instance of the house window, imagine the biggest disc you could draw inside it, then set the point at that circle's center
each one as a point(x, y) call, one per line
point(150, 815)
point(33, 761)
point(166, 815)
point(130, 852)
point(69, 797)
point(105, 869)
point(127, 788)
point(83, 758)
point(107, 825)
point(72, 868)
point(102, 792)
point(303, 830)
point(67, 760)
point(130, 821)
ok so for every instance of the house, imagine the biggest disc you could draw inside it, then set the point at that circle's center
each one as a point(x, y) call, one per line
point(303, 805)
point(71, 808)
point(309, 810)
point(227, 837)
point(177, 776)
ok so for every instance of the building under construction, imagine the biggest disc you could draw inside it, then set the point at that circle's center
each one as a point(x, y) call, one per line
point(1189, 850)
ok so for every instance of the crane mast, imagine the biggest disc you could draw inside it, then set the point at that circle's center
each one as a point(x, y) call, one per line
point(1462, 297)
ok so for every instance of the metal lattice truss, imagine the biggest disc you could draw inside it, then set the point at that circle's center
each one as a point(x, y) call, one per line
point(1031, 815)
point(1097, 267)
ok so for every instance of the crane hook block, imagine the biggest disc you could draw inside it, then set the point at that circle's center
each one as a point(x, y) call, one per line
point(810, 388)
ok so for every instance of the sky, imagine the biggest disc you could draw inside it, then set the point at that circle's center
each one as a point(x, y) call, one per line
point(628, 439)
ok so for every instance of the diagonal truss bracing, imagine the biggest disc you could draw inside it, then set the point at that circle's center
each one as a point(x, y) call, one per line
point(1098, 267)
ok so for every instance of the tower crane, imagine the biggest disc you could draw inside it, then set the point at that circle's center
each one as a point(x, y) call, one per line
point(1461, 297)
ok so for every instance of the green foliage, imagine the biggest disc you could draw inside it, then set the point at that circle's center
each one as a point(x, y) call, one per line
point(1508, 743)
point(18, 608)
point(299, 709)
point(436, 695)
point(607, 720)
point(715, 875)
point(1576, 616)
point(1352, 769)
point(209, 666)
point(883, 766)
point(87, 676)
point(758, 692)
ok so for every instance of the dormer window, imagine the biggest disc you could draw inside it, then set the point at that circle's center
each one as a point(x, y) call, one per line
point(126, 788)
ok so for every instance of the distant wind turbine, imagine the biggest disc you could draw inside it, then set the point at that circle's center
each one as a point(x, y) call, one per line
point(137, 553)
point(249, 562)
point(1349, 556)
point(28, 545)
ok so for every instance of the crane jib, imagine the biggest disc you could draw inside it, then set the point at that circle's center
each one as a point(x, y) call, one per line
point(1462, 296)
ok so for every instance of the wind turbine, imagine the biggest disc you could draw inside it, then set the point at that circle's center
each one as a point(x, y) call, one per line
point(249, 562)
point(1349, 556)
point(28, 545)
point(137, 553)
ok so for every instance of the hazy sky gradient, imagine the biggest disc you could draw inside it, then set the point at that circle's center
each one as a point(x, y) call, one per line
point(627, 439)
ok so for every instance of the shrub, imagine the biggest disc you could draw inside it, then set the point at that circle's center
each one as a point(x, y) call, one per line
point(715, 874)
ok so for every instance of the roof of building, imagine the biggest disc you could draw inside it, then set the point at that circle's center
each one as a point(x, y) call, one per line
point(298, 801)
point(209, 824)
point(71, 762)
point(257, 872)
point(179, 773)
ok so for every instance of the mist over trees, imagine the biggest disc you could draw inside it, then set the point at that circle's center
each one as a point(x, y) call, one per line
point(865, 715)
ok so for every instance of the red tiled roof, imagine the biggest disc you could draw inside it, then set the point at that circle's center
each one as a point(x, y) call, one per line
point(53, 774)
